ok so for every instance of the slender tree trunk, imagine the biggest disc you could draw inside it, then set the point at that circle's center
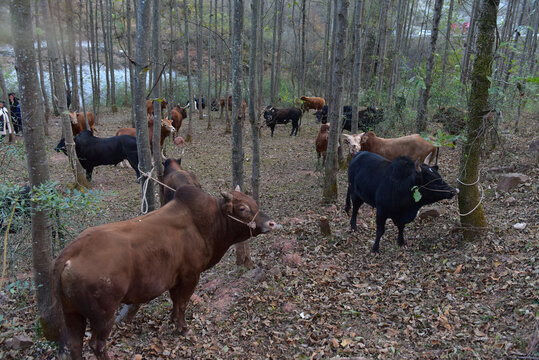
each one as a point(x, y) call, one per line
point(72, 58)
point(424, 23)
point(243, 257)
point(421, 121)
point(36, 157)
point(208, 93)
point(394, 76)
point(253, 92)
point(278, 56)
point(330, 191)
point(139, 97)
point(261, 57)
point(83, 101)
point(44, 93)
point(188, 70)
point(514, 45)
point(200, 91)
point(303, 60)
point(446, 47)
point(106, 48)
point(157, 60)
point(473, 220)
point(382, 50)
point(273, 52)
point(130, 54)
point(113, 105)
point(356, 71)
point(469, 44)
point(59, 92)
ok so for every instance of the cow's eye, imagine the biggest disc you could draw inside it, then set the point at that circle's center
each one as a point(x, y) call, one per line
point(243, 208)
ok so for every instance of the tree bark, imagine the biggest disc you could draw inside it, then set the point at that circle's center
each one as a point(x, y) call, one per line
point(189, 135)
point(472, 216)
point(72, 58)
point(469, 46)
point(243, 257)
point(253, 92)
point(208, 92)
point(139, 97)
point(60, 93)
point(200, 91)
point(421, 121)
point(157, 59)
point(36, 157)
point(446, 47)
point(330, 191)
point(113, 105)
point(44, 93)
point(356, 71)
point(130, 54)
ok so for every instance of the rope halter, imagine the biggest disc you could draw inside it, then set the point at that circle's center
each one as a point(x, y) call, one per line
point(251, 224)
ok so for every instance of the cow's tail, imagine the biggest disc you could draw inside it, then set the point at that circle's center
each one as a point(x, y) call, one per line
point(348, 199)
point(60, 332)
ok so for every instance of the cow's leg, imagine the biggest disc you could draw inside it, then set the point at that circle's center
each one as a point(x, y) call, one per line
point(400, 238)
point(133, 161)
point(356, 203)
point(380, 229)
point(180, 295)
point(75, 326)
point(89, 174)
point(272, 128)
point(101, 327)
point(348, 200)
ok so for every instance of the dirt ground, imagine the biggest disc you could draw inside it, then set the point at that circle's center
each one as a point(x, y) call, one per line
point(318, 297)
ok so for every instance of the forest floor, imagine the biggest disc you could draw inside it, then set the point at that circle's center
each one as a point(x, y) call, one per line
point(313, 296)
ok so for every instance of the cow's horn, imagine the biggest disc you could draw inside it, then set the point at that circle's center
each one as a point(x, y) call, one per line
point(237, 188)
point(227, 196)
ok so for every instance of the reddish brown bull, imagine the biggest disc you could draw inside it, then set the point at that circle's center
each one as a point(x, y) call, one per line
point(135, 261)
point(321, 142)
point(316, 103)
point(413, 146)
point(78, 124)
point(149, 107)
point(175, 176)
point(177, 115)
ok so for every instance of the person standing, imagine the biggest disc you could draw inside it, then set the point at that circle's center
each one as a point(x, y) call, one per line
point(15, 108)
point(5, 125)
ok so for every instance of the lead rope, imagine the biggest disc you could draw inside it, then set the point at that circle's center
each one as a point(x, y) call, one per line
point(480, 200)
point(251, 224)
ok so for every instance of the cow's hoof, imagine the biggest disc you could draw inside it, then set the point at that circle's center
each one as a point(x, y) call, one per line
point(186, 332)
point(375, 250)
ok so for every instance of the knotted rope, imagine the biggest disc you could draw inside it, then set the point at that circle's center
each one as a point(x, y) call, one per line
point(251, 224)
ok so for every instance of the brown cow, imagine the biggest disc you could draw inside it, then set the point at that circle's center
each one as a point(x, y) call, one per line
point(321, 143)
point(177, 115)
point(149, 107)
point(135, 261)
point(78, 124)
point(166, 130)
point(175, 176)
point(316, 103)
point(413, 146)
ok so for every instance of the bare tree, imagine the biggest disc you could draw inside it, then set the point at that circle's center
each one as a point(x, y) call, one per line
point(356, 71)
point(36, 157)
point(44, 93)
point(446, 45)
point(330, 191)
point(71, 51)
point(472, 217)
point(421, 121)
point(157, 61)
point(253, 92)
point(188, 71)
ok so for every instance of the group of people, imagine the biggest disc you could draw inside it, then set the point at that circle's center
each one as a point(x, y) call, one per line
point(15, 111)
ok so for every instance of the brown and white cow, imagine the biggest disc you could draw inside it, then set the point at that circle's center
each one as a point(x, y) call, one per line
point(413, 146)
point(136, 260)
point(354, 144)
point(78, 124)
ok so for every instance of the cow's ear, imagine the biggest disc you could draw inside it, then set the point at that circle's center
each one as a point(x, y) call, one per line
point(228, 206)
point(346, 138)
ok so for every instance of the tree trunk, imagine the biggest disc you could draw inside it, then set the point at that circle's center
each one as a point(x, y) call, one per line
point(472, 216)
point(356, 71)
point(514, 45)
point(303, 60)
point(83, 101)
point(157, 60)
point(130, 54)
point(421, 122)
point(469, 46)
point(105, 32)
point(44, 93)
point(330, 191)
point(139, 97)
point(243, 257)
point(208, 92)
point(395, 64)
point(446, 46)
point(60, 94)
point(200, 91)
point(188, 70)
point(36, 157)
point(261, 57)
point(253, 92)
point(278, 56)
point(72, 59)
point(273, 53)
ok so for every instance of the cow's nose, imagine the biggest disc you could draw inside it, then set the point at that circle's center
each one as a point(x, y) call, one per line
point(271, 225)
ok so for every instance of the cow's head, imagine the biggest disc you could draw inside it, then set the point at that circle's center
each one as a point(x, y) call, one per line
point(166, 125)
point(268, 114)
point(243, 209)
point(431, 185)
point(354, 143)
point(61, 146)
point(73, 117)
point(181, 110)
point(366, 140)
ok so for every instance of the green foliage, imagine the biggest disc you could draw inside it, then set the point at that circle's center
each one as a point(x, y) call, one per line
point(416, 194)
point(442, 139)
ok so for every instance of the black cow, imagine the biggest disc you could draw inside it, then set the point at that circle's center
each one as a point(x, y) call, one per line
point(276, 116)
point(368, 117)
point(93, 151)
point(215, 104)
point(389, 187)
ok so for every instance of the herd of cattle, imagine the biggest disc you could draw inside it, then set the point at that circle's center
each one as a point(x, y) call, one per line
point(136, 260)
